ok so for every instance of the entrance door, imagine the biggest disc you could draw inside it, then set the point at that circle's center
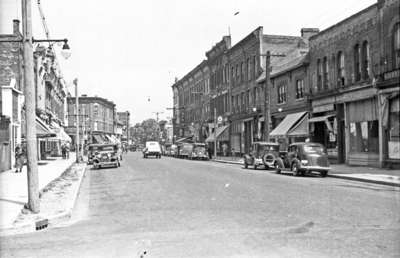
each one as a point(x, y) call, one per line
point(247, 136)
point(340, 133)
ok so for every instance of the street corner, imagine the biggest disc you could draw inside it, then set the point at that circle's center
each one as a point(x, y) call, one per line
point(57, 202)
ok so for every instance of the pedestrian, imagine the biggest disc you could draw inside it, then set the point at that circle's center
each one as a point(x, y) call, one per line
point(63, 151)
point(19, 159)
point(67, 150)
point(225, 149)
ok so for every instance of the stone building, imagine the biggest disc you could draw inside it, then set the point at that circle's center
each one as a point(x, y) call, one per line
point(96, 119)
point(388, 83)
point(344, 61)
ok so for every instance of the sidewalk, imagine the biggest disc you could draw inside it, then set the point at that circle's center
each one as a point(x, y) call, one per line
point(13, 187)
point(363, 174)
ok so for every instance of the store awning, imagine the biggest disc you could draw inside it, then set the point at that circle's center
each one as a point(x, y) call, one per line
point(60, 133)
point(43, 130)
point(115, 139)
point(287, 123)
point(219, 131)
point(300, 129)
point(322, 119)
point(185, 139)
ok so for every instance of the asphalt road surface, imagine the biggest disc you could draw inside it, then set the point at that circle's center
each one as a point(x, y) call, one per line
point(179, 208)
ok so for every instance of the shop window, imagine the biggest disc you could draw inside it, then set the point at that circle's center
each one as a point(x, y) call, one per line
point(357, 67)
point(365, 60)
point(364, 137)
point(299, 89)
point(396, 46)
point(340, 69)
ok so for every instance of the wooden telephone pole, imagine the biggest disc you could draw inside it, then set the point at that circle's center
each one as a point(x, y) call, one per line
point(30, 109)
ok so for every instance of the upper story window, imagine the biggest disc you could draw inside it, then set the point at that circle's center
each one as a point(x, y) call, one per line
point(241, 72)
point(281, 93)
point(248, 72)
point(299, 89)
point(255, 67)
point(365, 60)
point(237, 73)
point(319, 74)
point(325, 73)
point(357, 67)
point(340, 69)
point(233, 74)
point(396, 46)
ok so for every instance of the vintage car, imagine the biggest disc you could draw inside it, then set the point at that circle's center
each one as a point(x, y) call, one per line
point(304, 157)
point(152, 148)
point(262, 154)
point(105, 155)
point(198, 151)
point(173, 151)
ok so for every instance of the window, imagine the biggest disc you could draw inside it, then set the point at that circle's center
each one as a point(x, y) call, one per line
point(396, 46)
point(281, 93)
point(233, 74)
point(365, 60)
point(241, 101)
point(364, 136)
point(248, 73)
point(326, 71)
point(357, 67)
point(299, 89)
point(241, 72)
point(340, 69)
point(237, 73)
point(255, 66)
point(319, 75)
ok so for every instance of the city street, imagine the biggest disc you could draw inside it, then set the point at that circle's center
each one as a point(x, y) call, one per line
point(179, 208)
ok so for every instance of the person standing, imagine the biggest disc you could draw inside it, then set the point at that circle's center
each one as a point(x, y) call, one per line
point(19, 159)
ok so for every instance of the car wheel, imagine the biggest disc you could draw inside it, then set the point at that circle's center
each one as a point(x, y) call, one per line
point(295, 169)
point(324, 173)
point(245, 164)
point(255, 167)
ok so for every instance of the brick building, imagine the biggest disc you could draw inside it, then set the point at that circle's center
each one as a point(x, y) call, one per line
point(96, 119)
point(388, 83)
point(343, 62)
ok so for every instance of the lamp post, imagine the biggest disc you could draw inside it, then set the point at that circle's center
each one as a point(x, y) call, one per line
point(77, 142)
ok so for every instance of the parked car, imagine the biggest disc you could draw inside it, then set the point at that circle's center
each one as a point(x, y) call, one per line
point(198, 151)
point(262, 154)
point(105, 155)
point(303, 158)
point(185, 150)
point(152, 149)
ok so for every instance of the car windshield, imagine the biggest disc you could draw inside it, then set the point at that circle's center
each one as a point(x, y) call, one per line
point(314, 149)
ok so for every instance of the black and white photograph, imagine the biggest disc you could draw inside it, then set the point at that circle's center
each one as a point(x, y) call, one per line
point(183, 128)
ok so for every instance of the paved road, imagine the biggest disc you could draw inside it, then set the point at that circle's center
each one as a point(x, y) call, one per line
point(179, 208)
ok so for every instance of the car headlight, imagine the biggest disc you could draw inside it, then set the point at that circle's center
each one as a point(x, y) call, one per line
point(304, 162)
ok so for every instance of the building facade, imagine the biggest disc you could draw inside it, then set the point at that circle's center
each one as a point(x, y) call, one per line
point(343, 63)
point(96, 119)
point(388, 83)
point(124, 118)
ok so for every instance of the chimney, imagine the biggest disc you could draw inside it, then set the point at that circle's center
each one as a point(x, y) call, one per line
point(16, 30)
point(306, 33)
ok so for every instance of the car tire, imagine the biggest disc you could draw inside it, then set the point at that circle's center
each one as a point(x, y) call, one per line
point(245, 164)
point(279, 165)
point(295, 169)
point(255, 167)
point(324, 173)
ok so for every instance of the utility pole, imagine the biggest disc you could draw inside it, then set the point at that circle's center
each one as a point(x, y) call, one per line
point(215, 133)
point(77, 120)
point(267, 93)
point(266, 97)
point(30, 112)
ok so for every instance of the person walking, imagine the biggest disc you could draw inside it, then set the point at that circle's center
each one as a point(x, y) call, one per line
point(19, 159)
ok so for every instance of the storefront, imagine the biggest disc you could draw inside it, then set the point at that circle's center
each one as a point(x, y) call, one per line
point(236, 137)
point(393, 129)
point(363, 132)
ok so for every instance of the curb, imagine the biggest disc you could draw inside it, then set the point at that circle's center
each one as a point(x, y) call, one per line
point(51, 220)
point(365, 180)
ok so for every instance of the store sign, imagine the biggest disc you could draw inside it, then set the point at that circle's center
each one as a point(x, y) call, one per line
point(323, 108)
point(394, 150)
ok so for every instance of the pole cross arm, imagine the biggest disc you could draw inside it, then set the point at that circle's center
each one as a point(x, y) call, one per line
point(34, 40)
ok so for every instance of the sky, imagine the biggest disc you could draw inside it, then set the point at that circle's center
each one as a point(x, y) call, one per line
point(130, 51)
